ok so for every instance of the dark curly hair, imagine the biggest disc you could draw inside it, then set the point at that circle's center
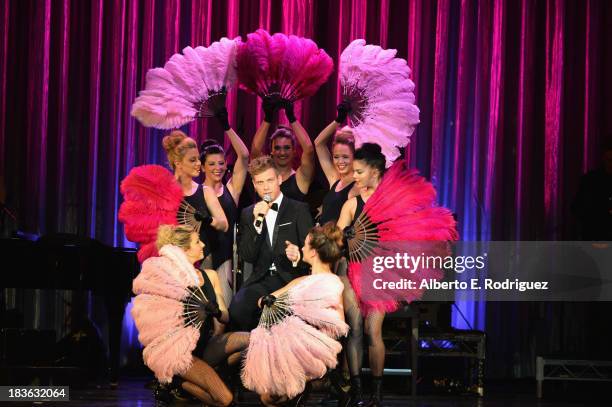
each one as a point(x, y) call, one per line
point(371, 154)
point(210, 147)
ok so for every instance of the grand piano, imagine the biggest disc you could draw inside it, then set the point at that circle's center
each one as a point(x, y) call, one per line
point(71, 262)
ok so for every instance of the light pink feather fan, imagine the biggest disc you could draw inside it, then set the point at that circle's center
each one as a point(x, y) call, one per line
point(295, 340)
point(381, 95)
point(288, 67)
point(168, 310)
point(189, 86)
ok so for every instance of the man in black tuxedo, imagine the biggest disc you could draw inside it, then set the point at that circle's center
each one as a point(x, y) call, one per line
point(270, 230)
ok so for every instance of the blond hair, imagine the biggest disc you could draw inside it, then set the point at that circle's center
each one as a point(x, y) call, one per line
point(261, 164)
point(176, 145)
point(176, 235)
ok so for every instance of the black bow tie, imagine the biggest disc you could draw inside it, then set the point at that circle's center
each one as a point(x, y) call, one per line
point(274, 207)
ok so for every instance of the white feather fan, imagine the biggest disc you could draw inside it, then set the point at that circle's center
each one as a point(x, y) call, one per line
point(190, 85)
point(381, 95)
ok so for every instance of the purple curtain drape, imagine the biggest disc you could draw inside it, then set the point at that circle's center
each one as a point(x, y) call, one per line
point(511, 92)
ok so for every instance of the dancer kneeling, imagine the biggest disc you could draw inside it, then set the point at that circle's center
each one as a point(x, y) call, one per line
point(177, 311)
point(295, 340)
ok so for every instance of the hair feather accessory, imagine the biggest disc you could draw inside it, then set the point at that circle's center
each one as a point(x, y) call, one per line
point(288, 66)
point(381, 94)
point(191, 85)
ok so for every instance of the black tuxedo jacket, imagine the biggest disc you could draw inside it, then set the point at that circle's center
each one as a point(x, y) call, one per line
point(293, 223)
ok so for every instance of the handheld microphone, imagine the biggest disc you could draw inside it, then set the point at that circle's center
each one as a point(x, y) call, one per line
point(260, 217)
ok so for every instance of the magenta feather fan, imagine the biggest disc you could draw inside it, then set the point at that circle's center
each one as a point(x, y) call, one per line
point(400, 216)
point(191, 85)
point(381, 94)
point(296, 337)
point(152, 197)
point(288, 66)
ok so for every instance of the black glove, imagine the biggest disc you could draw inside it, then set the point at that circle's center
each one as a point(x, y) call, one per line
point(268, 300)
point(206, 220)
point(343, 110)
point(288, 106)
point(348, 233)
point(221, 115)
point(212, 308)
point(269, 105)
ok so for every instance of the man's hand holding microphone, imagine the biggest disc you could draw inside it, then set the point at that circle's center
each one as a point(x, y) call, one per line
point(260, 210)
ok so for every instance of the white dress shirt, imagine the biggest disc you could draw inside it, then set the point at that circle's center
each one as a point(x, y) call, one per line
point(271, 217)
point(270, 222)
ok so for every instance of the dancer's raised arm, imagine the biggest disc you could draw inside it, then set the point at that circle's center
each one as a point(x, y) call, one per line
point(305, 171)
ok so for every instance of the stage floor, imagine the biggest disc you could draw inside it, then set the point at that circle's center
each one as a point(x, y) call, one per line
point(133, 393)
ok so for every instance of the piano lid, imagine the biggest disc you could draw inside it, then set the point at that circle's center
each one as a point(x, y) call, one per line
point(66, 261)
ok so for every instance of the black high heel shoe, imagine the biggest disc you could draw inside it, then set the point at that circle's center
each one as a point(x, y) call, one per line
point(301, 399)
point(163, 396)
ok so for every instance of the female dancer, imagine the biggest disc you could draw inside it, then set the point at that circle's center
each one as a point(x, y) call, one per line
point(368, 169)
point(282, 149)
point(183, 156)
point(337, 166)
point(214, 167)
point(322, 248)
point(180, 246)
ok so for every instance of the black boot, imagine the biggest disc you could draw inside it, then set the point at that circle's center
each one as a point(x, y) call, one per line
point(338, 388)
point(355, 398)
point(376, 399)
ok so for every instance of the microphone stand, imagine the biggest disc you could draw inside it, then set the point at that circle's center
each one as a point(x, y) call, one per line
point(235, 262)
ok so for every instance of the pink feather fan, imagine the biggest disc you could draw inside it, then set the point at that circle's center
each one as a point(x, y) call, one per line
point(296, 337)
point(152, 197)
point(400, 216)
point(191, 85)
point(168, 312)
point(288, 66)
point(381, 94)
